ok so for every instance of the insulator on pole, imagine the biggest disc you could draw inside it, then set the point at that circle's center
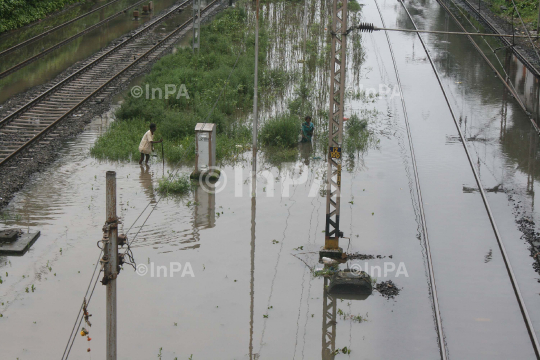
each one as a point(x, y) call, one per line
point(366, 27)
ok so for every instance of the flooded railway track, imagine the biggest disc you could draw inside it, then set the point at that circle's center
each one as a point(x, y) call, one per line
point(61, 43)
point(433, 285)
point(524, 312)
point(37, 120)
point(507, 43)
point(58, 27)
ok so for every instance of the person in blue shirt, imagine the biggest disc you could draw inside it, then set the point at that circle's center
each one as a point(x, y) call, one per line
point(307, 129)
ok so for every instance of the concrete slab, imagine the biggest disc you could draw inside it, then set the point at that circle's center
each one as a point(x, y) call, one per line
point(20, 246)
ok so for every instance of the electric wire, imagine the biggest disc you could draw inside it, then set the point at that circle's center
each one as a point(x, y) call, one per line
point(442, 344)
point(526, 30)
point(75, 327)
point(128, 251)
point(80, 321)
point(506, 84)
point(502, 248)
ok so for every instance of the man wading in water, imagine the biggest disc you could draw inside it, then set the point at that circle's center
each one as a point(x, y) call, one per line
point(307, 130)
point(147, 144)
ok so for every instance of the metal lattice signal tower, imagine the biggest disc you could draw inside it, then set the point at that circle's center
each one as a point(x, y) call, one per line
point(329, 324)
point(335, 126)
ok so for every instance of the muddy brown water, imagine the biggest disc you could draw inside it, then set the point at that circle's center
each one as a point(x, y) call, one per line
point(215, 314)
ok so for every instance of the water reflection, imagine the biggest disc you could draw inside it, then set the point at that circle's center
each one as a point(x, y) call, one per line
point(145, 178)
point(306, 151)
point(329, 323)
point(205, 207)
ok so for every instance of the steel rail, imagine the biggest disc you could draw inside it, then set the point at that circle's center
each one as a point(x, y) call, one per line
point(511, 89)
point(88, 66)
point(509, 269)
point(83, 101)
point(47, 32)
point(507, 43)
point(23, 63)
point(442, 343)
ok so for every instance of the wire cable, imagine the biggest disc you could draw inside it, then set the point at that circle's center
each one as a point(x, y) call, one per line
point(442, 342)
point(521, 303)
point(526, 30)
point(82, 304)
point(506, 84)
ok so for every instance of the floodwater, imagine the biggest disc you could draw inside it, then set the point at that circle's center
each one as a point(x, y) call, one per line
point(248, 291)
point(49, 66)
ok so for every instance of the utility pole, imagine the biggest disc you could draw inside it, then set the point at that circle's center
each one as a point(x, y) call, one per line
point(110, 261)
point(255, 99)
point(196, 25)
point(335, 130)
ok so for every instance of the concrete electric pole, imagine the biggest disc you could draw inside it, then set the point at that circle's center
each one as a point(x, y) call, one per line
point(110, 261)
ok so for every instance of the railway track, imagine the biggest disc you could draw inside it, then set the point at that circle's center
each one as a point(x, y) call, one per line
point(521, 303)
point(505, 41)
point(47, 32)
point(38, 119)
point(44, 52)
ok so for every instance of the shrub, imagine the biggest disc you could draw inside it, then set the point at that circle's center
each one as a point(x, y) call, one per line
point(17, 13)
point(282, 130)
point(179, 185)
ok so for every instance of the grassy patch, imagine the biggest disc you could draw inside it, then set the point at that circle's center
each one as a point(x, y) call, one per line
point(17, 13)
point(281, 131)
point(178, 185)
point(226, 41)
point(528, 9)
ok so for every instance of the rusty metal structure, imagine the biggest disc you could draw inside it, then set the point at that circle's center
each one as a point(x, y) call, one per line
point(329, 323)
point(335, 128)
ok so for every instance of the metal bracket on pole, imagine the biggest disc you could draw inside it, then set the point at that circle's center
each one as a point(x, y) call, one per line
point(335, 129)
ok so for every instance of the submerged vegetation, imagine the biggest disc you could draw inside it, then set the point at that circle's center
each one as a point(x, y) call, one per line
point(218, 87)
point(174, 184)
point(282, 131)
point(17, 13)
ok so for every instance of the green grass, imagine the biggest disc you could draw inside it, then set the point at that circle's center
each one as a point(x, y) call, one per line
point(178, 185)
point(528, 9)
point(281, 131)
point(17, 13)
point(356, 134)
point(224, 41)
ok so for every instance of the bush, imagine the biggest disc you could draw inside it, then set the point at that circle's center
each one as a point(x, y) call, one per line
point(207, 77)
point(282, 130)
point(357, 135)
point(179, 185)
point(17, 13)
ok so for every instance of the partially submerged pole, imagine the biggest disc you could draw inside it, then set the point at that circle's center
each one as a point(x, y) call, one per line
point(110, 259)
point(255, 99)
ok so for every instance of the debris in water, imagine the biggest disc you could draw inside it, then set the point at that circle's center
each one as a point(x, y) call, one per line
point(358, 256)
point(489, 256)
point(388, 289)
